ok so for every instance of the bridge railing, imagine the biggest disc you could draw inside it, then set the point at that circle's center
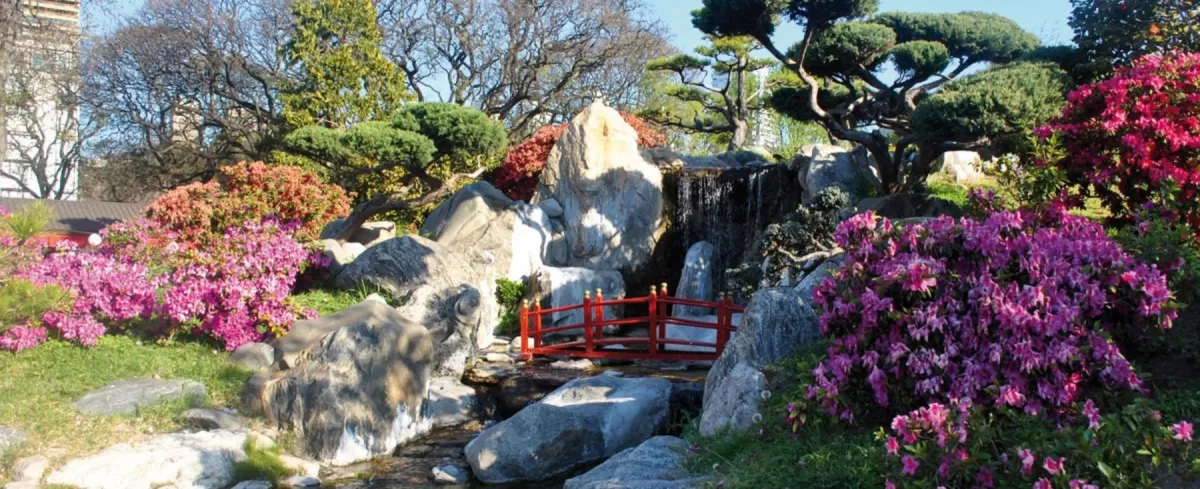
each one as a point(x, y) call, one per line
point(656, 345)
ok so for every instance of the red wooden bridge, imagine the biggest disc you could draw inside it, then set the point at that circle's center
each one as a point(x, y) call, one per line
point(653, 346)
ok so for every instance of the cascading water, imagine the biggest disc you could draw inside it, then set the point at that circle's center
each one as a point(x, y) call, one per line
point(705, 213)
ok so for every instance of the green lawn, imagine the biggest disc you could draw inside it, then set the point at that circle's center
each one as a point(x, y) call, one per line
point(943, 185)
point(39, 385)
point(327, 299)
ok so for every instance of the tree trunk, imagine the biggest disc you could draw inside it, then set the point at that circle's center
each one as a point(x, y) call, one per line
point(740, 130)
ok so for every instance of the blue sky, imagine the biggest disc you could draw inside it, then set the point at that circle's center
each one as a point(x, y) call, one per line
point(1046, 18)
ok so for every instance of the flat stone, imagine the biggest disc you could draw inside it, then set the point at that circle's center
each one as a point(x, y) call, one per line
point(256, 357)
point(659, 463)
point(300, 481)
point(29, 469)
point(211, 419)
point(497, 358)
point(254, 485)
point(301, 466)
point(489, 373)
point(449, 475)
point(580, 364)
point(194, 460)
point(449, 402)
point(124, 397)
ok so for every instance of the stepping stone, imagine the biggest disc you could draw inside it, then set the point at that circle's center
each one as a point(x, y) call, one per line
point(211, 419)
point(124, 397)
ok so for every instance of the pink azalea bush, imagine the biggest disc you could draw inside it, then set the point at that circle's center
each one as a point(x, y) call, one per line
point(1013, 309)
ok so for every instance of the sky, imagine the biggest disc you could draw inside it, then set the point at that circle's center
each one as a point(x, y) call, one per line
point(1045, 18)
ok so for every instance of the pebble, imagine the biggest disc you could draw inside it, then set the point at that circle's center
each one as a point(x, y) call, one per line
point(449, 475)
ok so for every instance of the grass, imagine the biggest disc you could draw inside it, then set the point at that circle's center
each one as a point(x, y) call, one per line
point(39, 385)
point(942, 185)
point(327, 299)
point(261, 464)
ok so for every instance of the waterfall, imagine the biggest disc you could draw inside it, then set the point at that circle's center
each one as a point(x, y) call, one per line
point(705, 213)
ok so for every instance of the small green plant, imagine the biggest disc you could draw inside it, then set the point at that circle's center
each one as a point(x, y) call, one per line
point(22, 301)
point(28, 222)
point(1034, 179)
point(509, 294)
point(261, 463)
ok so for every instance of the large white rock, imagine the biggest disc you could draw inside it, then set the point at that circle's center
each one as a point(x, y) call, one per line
point(557, 287)
point(201, 460)
point(611, 197)
point(822, 166)
point(480, 219)
point(450, 293)
point(357, 391)
point(659, 463)
point(696, 280)
point(963, 166)
point(584, 421)
point(734, 403)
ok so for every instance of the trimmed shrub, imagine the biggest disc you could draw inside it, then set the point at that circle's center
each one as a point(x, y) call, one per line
point(248, 192)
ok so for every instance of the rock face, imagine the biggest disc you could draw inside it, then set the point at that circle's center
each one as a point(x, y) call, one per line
point(583, 421)
point(358, 391)
point(659, 463)
point(775, 322)
point(451, 295)
point(822, 166)
point(124, 397)
point(449, 402)
point(611, 197)
point(734, 404)
point(814, 278)
point(904, 206)
point(196, 460)
point(557, 287)
point(696, 280)
point(481, 219)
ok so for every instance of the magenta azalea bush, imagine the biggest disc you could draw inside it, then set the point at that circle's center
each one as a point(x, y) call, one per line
point(1014, 309)
point(235, 290)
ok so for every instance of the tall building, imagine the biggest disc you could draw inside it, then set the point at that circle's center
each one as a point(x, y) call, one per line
point(39, 114)
point(766, 134)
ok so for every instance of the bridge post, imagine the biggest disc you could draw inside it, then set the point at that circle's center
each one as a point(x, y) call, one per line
point(587, 321)
point(724, 322)
point(599, 305)
point(662, 311)
point(652, 329)
point(525, 355)
point(537, 324)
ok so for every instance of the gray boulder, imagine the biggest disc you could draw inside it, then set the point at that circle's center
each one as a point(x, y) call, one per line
point(445, 291)
point(203, 460)
point(370, 234)
point(584, 421)
point(904, 206)
point(340, 254)
point(611, 197)
point(814, 278)
point(659, 463)
point(696, 280)
point(211, 419)
point(124, 397)
point(734, 403)
point(775, 323)
point(965, 167)
point(449, 402)
point(822, 166)
point(558, 287)
point(480, 219)
point(358, 391)
point(256, 357)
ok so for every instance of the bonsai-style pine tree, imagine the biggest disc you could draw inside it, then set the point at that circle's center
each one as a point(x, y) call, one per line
point(1116, 32)
point(425, 151)
point(718, 83)
point(931, 106)
point(344, 77)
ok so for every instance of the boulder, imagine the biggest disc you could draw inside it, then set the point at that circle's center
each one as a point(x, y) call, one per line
point(908, 205)
point(584, 421)
point(558, 287)
point(255, 357)
point(480, 219)
point(734, 403)
point(659, 463)
point(358, 391)
point(965, 167)
point(370, 234)
point(449, 402)
point(124, 397)
point(211, 419)
point(611, 196)
point(696, 280)
point(822, 166)
point(449, 475)
point(814, 278)
point(182, 460)
point(775, 323)
point(340, 254)
point(452, 295)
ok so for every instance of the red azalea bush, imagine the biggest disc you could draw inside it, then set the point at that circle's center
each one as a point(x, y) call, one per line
point(248, 192)
point(1131, 135)
point(1015, 309)
point(517, 177)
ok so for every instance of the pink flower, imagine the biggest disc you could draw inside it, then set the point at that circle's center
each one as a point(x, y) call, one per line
point(984, 478)
point(910, 465)
point(893, 446)
point(1027, 460)
point(1182, 431)
point(888, 484)
point(1042, 483)
point(1092, 414)
point(1053, 465)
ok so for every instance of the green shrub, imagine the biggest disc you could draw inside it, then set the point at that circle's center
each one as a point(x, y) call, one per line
point(28, 222)
point(261, 464)
point(509, 294)
point(21, 301)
